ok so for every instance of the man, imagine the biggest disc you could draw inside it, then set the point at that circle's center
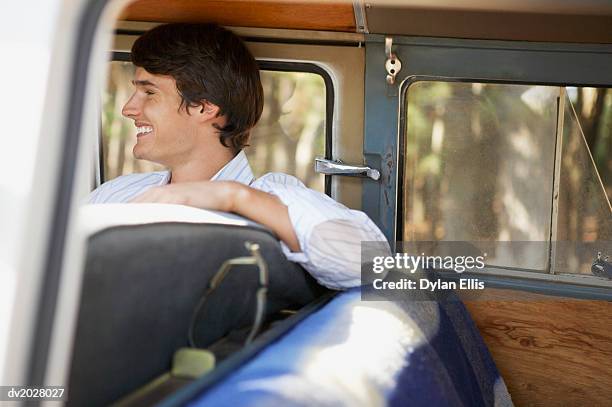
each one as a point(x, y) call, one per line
point(197, 96)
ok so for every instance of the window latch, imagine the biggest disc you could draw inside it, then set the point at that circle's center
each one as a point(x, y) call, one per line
point(393, 64)
point(602, 267)
point(337, 167)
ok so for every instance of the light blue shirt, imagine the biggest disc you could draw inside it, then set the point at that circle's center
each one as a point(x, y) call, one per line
point(329, 233)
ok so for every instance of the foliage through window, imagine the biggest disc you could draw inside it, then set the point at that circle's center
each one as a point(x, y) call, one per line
point(480, 162)
point(289, 135)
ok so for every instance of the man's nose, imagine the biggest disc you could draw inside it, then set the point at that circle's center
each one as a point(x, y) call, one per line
point(131, 109)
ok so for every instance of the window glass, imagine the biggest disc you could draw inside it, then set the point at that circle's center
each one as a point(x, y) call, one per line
point(289, 135)
point(479, 166)
point(591, 109)
point(291, 131)
point(479, 160)
point(584, 221)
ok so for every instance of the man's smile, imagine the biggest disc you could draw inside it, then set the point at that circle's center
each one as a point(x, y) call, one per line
point(143, 130)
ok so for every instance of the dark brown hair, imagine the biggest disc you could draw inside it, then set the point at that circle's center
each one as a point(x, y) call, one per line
point(208, 63)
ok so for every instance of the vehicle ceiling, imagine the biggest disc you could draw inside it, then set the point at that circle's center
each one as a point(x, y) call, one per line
point(529, 20)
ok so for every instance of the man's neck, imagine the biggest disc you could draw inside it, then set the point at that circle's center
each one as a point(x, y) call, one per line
point(200, 170)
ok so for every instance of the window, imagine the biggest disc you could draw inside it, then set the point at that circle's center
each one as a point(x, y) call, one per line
point(584, 221)
point(480, 165)
point(290, 134)
point(291, 131)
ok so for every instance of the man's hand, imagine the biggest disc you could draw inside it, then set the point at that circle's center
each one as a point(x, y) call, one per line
point(229, 196)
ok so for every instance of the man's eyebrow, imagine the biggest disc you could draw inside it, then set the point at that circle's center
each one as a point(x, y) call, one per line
point(143, 83)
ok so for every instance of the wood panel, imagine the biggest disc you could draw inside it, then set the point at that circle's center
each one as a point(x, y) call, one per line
point(307, 15)
point(498, 25)
point(551, 351)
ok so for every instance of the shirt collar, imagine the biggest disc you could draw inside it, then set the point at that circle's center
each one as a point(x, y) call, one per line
point(238, 170)
point(165, 178)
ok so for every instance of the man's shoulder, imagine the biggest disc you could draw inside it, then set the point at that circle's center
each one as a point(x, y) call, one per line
point(279, 178)
point(291, 189)
point(125, 186)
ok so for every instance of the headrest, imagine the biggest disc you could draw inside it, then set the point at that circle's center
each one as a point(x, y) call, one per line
point(96, 217)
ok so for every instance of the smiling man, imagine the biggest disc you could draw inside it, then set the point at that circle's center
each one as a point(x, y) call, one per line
point(197, 96)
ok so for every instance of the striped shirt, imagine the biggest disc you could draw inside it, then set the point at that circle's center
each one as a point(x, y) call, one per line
point(329, 233)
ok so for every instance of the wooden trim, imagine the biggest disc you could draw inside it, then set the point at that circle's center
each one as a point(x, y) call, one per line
point(265, 14)
point(550, 351)
point(496, 25)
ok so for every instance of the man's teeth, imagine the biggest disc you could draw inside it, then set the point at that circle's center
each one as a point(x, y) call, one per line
point(144, 129)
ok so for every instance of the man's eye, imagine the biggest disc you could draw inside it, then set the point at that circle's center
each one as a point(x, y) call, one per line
point(149, 92)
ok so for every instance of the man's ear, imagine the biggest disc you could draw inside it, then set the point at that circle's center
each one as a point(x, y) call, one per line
point(208, 111)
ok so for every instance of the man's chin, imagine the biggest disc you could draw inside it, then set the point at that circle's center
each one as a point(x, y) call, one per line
point(139, 154)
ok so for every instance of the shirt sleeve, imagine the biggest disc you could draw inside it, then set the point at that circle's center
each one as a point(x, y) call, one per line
point(329, 233)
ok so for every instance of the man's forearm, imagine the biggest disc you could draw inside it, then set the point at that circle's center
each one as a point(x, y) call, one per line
point(229, 196)
point(268, 210)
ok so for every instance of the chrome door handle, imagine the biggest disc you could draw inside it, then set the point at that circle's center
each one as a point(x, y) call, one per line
point(331, 167)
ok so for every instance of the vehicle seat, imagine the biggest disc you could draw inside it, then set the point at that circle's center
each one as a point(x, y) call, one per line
point(147, 266)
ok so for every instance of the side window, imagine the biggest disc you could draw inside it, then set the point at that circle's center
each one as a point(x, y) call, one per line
point(584, 219)
point(483, 163)
point(292, 131)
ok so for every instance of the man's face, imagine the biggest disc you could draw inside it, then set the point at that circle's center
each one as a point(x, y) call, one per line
point(166, 134)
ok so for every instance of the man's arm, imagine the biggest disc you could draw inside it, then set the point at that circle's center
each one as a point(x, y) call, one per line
point(330, 234)
point(228, 196)
point(322, 235)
